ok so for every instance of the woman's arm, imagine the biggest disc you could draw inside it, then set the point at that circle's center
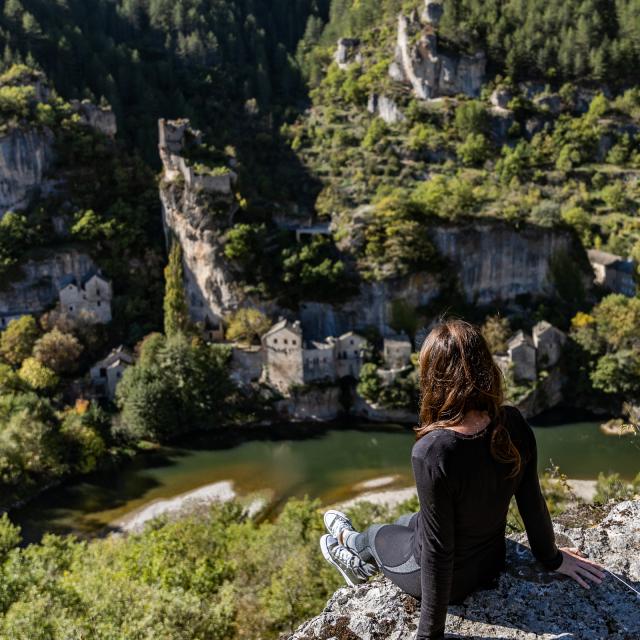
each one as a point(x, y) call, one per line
point(437, 547)
point(533, 510)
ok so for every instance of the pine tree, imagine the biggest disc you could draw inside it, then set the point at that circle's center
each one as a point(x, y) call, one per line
point(176, 313)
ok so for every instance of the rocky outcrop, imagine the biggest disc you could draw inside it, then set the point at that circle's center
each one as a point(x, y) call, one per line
point(431, 70)
point(101, 119)
point(347, 52)
point(385, 107)
point(311, 404)
point(25, 157)
point(34, 287)
point(495, 261)
point(527, 604)
point(197, 207)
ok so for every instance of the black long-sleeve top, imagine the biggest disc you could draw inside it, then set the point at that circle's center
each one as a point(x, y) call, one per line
point(464, 497)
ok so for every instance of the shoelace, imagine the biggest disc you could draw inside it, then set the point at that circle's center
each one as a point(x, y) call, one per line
point(346, 557)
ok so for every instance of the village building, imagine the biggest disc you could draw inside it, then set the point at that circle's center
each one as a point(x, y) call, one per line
point(522, 357)
point(613, 272)
point(290, 360)
point(283, 363)
point(349, 352)
point(397, 351)
point(88, 298)
point(246, 363)
point(106, 373)
point(549, 342)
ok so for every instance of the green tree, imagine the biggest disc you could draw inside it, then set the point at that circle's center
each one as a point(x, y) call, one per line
point(37, 375)
point(176, 311)
point(247, 325)
point(18, 339)
point(496, 331)
point(58, 351)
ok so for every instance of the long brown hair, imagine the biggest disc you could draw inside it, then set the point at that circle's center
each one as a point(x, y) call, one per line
point(458, 374)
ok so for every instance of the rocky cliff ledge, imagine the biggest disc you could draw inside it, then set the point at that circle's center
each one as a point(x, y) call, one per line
point(528, 603)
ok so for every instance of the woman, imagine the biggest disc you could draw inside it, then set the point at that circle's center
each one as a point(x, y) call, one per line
point(471, 456)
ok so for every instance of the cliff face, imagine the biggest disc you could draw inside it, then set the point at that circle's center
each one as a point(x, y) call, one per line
point(25, 157)
point(35, 286)
point(528, 603)
point(431, 72)
point(196, 209)
point(495, 261)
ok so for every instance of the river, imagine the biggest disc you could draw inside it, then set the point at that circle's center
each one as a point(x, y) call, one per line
point(332, 464)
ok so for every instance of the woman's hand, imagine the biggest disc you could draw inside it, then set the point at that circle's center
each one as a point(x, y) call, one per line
point(575, 565)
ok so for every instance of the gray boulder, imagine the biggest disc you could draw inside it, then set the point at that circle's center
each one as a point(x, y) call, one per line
point(528, 603)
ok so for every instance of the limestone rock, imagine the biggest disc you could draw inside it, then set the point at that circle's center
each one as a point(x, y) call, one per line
point(496, 261)
point(197, 208)
point(385, 107)
point(528, 603)
point(501, 97)
point(36, 287)
point(101, 119)
point(432, 12)
point(431, 72)
point(500, 123)
point(549, 102)
point(347, 52)
point(25, 157)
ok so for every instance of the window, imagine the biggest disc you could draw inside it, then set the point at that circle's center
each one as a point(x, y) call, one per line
point(70, 308)
point(294, 342)
point(355, 352)
point(99, 303)
point(275, 341)
point(103, 372)
point(286, 341)
point(350, 341)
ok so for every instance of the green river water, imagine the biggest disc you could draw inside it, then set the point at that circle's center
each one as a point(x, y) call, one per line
point(329, 464)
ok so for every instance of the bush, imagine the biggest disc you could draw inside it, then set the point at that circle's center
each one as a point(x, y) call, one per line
point(18, 339)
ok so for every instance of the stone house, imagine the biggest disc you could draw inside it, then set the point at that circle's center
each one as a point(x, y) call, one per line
point(613, 272)
point(349, 351)
point(549, 342)
point(290, 360)
point(88, 297)
point(106, 373)
point(397, 351)
point(522, 357)
point(283, 361)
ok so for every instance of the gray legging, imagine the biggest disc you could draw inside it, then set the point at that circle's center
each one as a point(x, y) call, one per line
point(390, 546)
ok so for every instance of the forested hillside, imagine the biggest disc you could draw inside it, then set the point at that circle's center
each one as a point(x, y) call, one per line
point(158, 58)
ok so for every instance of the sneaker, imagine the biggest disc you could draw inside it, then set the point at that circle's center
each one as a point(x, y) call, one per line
point(336, 522)
point(353, 569)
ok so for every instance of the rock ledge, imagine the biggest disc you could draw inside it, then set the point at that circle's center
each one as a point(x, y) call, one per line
point(528, 603)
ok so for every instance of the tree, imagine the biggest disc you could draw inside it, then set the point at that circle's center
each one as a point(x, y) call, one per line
point(177, 386)
point(176, 311)
point(369, 382)
point(618, 373)
point(496, 331)
point(37, 375)
point(58, 351)
point(474, 150)
point(471, 118)
point(18, 339)
point(247, 325)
